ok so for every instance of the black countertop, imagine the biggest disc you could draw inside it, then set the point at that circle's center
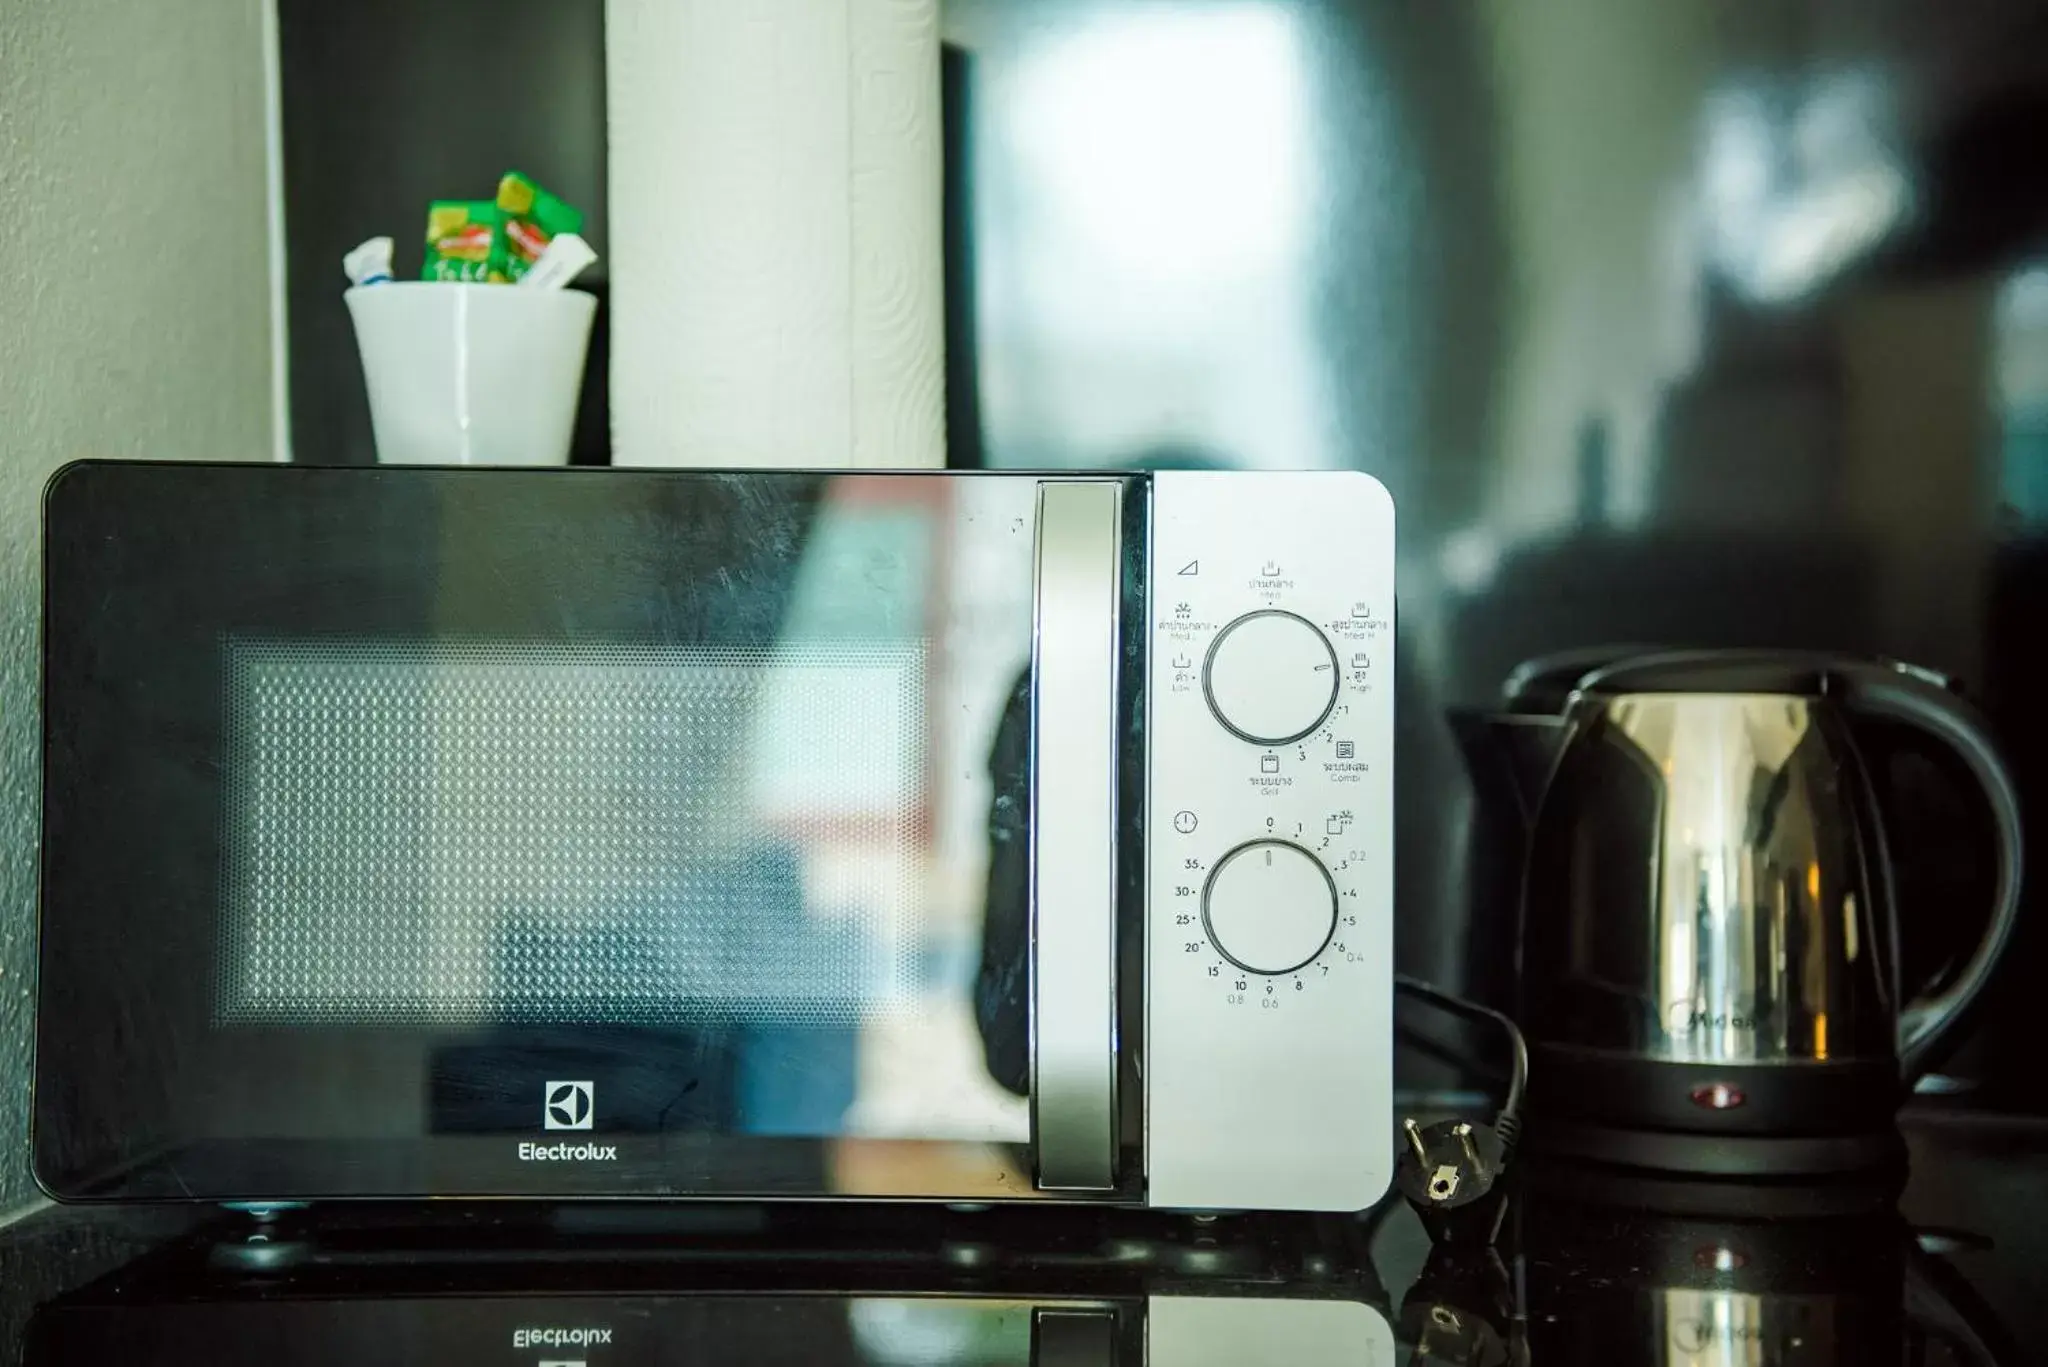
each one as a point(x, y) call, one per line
point(1609, 1269)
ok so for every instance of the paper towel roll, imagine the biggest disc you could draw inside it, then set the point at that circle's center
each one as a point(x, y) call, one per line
point(776, 271)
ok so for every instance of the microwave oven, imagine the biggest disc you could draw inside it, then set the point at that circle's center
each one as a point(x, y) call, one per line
point(569, 834)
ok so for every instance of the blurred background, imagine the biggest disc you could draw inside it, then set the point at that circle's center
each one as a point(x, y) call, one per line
point(1687, 322)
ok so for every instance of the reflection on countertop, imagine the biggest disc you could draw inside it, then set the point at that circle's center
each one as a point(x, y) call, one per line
point(1593, 1267)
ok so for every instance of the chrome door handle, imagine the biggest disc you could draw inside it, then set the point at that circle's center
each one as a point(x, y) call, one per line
point(1077, 596)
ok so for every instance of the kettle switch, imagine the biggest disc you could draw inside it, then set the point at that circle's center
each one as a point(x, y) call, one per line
point(1718, 1096)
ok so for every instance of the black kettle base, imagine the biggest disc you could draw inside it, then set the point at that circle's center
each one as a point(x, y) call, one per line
point(1562, 1182)
point(1874, 1153)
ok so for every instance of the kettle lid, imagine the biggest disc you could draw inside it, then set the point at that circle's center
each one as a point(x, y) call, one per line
point(1790, 672)
point(1544, 686)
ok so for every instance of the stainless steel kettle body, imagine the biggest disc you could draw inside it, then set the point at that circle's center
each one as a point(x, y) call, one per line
point(1709, 940)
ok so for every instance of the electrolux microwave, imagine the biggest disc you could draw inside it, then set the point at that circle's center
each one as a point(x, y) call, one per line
point(771, 834)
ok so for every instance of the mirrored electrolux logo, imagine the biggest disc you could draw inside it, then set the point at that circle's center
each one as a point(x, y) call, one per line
point(530, 1152)
point(551, 1337)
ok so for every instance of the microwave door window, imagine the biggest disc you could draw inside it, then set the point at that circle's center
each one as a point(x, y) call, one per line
point(740, 880)
point(485, 835)
point(539, 858)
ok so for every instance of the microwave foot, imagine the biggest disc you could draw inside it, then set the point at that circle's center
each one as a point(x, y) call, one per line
point(967, 1207)
point(263, 1212)
point(263, 1244)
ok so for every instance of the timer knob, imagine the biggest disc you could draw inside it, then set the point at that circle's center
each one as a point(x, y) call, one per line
point(1269, 906)
point(1271, 677)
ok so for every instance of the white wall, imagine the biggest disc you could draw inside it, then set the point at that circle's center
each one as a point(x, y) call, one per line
point(777, 266)
point(134, 322)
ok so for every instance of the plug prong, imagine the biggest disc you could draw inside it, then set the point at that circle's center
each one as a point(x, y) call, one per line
point(1464, 1133)
point(1416, 1145)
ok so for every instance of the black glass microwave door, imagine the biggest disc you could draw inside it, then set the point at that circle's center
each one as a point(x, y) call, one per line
point(556, 832)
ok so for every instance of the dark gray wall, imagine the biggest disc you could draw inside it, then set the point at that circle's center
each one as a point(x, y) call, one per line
point(389, 105)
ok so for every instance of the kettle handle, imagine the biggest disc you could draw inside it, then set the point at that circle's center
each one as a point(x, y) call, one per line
point(1898, 693)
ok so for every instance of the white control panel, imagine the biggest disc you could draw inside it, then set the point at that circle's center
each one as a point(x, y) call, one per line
point(1269, 981)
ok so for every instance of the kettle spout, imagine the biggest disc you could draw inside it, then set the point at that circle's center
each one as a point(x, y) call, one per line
point(1509, 756)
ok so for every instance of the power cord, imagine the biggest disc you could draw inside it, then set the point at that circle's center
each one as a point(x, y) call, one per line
point(1510, 1113)
point(1453, 1172)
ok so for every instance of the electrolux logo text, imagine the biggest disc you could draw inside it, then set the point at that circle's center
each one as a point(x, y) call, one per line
point(530, 1152)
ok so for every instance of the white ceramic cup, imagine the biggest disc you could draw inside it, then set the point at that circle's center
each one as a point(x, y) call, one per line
point(471, 374)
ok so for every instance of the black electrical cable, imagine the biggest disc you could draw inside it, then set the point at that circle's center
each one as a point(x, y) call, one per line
point(1509, 1120)
point(1454, 1173)
point(1459, 1056)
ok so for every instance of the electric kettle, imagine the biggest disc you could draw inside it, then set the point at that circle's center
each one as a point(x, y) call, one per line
point(1709, 948)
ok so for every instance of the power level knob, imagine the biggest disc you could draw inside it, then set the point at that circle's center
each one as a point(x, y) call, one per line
point(1271, 677)
point(1269, 906)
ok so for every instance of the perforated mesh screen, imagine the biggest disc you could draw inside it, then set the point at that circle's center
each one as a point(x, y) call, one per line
point(475, 834)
